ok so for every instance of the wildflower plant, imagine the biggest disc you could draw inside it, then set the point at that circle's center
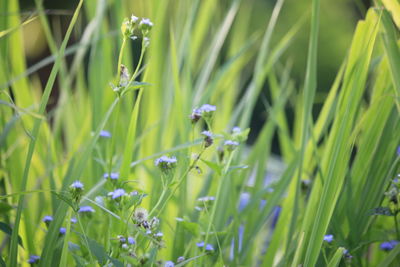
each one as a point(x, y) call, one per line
point(158, 171)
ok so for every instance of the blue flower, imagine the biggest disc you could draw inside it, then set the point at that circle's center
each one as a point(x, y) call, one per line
point(33, 259)
point(74, 220)
point(207, 108)
point(236, 130)
point(77, 185)
point(166, 163)
point(117, 193)
point(105, 134)
point(398, 151)
point(63, 231)
point(112, 176)
point(388, 246)
point(231, 145)
point(47, 219)
point(169, 264)
point(208, 247)
point(328, 238)
point(86, 209)
point(180, 259)
point(159, 234)
point(131, 240)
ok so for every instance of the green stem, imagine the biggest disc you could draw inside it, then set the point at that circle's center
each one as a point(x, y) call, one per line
point(396, 224)
point(121, 52)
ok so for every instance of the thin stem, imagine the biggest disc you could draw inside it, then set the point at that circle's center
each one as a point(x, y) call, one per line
point(396, 224)
point(121, 52)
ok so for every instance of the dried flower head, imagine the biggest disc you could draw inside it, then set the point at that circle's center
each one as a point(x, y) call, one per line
point(208, 138)
point(140, 215)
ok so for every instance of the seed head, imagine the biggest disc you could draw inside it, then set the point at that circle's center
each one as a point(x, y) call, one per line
point(140, 215)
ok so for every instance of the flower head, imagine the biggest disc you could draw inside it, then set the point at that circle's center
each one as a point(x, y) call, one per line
point(131, 240)
point(47, 219)
point(388, 246)
point(169, 264)
point(77, 185)
point(206, 199)
point(117, 193)
point(207, 108)
point(145, 25)
point(63, 230)
point(105, 134)
point(208, 247)
point(166, 163)
point(33, 259)
point(231, 145)
point(208, 138)
point(140, 215)
point(86, 209)
point(112, 175)
point(196, 115)
point(328, 238)
point(180, 259)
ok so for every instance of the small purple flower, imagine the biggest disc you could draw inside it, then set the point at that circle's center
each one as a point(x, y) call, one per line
point(86, 209)
point(231, 145)
point(328, 238)
point(121, 239)
point(112, 176)
point(77, 185)
point(208, 139)
point(208, 247)
point(207, 108)
point(398, 151)
point(196, 115)
point(63, 230)
point(131, 240)
point(236, 130)
point(117, 193)
point(47, 219)
point(74, 220)
point(105, 134)
point(388, 246)
point(159, 234)
point(169, 264)
point(33, 259)
point(166, 163)
point(180, 259)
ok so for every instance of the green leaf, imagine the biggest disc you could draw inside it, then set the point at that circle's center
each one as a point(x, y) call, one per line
point(214, 166)
point(8, 230)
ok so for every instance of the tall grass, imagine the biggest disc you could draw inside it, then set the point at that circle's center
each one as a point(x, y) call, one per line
point(334, 174)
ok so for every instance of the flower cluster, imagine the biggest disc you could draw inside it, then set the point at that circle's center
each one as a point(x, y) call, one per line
point(206, 112)
point(166, 164)
point(130, 25)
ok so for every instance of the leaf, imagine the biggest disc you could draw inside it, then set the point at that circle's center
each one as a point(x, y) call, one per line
point(192, 227)
point(213, 165)
point(8, 230)
point(135, 86)
point(5, 207)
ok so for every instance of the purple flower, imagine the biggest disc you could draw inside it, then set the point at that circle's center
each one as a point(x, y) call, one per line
point(112, 176)
point(159, 234)
point(63, 231)
point(207, 108)
point(208, 247)
point(328, 238)
point(196, 115)
point(77, 185)
point(388, 246)
point(86, 209)
point(131, 240)
point(74, 220)
point(231, 145)
point(169, 264)
point(47, 219)
point(236, 130)
point(105, 134)
point(33, 259)
point(398, 151)
point(117, 193)
point(166, 163)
